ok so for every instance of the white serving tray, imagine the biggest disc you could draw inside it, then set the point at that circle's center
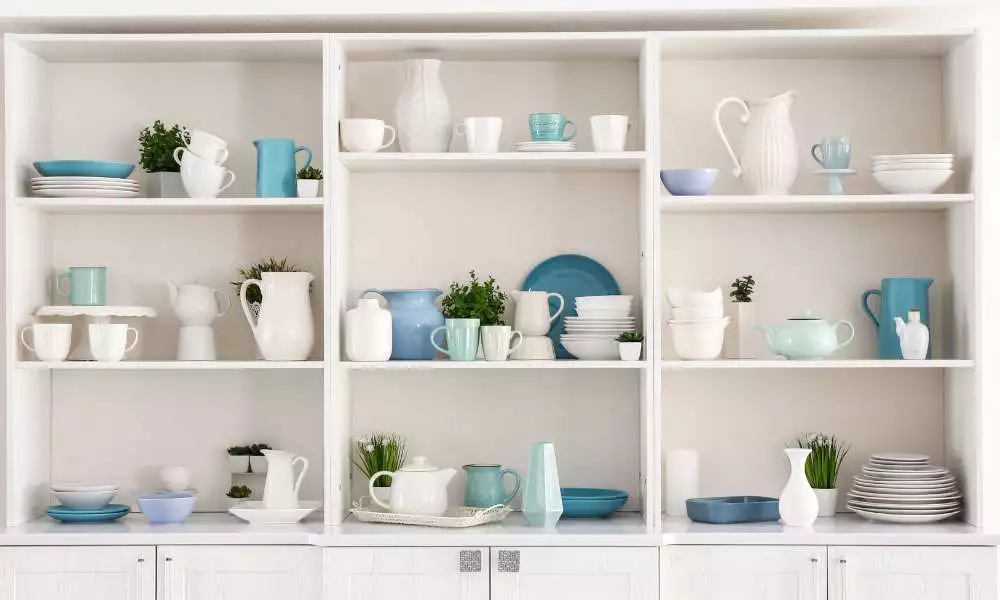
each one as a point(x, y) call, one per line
point(253, 512)
point(455, 517)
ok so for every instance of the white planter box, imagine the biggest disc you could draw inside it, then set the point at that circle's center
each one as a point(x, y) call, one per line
point(239, 464)
point(166, 185)
point(307, 188)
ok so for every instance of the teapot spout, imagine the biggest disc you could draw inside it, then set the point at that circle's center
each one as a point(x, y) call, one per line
point(768, 334)
point(172, 288)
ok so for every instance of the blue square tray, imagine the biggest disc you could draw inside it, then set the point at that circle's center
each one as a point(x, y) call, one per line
point(733, 509)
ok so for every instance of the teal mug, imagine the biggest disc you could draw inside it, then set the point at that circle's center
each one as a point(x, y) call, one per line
point(484, 485)
point(88, 286)
point(462, 336)
point(550, 127)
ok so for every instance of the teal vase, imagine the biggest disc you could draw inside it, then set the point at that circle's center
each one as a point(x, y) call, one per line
point(484, 485)
point(542, 498)
point(462, 336)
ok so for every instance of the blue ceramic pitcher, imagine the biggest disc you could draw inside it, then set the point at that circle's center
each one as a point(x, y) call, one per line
point(484, 487)
point(899, 295)
point(414, 317)
point(276, 167)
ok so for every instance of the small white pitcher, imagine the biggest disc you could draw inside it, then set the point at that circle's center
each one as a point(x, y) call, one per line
point(279, 491)
point(531, 315)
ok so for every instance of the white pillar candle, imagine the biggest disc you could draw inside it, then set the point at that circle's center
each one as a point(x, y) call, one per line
point(681, 480)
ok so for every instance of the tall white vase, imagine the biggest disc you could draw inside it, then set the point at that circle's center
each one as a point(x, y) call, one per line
point(423, 116)
point(798, 505)
point(284, 327)
point(769, 162)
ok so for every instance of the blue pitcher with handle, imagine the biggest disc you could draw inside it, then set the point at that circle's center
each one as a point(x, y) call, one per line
point(414, 317)
point(899, 296)
point(276, 167)
point(484, 487)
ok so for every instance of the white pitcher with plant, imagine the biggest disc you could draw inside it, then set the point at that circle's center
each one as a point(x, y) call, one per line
point(275, 299)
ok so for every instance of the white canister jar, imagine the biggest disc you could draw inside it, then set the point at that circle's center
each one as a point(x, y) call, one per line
point(368, 336)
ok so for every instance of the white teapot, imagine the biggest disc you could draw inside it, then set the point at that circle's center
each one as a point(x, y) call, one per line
point(417, 489)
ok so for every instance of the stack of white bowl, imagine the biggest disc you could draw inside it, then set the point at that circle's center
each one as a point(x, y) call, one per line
point(912, 173)
point(592, 334)
point(697, 324)
point(83, 496)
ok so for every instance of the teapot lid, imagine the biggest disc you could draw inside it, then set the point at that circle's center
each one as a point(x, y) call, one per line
point(807, 315)
point(419, 465)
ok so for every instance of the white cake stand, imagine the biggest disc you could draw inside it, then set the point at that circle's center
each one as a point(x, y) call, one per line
point(96, 315)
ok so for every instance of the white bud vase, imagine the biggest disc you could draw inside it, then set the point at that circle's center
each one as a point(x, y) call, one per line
point(423, 116)
point(798, 505)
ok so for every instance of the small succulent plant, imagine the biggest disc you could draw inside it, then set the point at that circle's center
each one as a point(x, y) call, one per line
point(248, 451)
point(309, 172)
point(630, 337)
point(239, 492)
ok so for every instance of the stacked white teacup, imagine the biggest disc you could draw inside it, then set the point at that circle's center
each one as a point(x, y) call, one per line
point(202, 169)
point(697, 324)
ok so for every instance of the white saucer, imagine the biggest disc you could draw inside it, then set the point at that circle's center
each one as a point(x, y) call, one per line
point(253, 511)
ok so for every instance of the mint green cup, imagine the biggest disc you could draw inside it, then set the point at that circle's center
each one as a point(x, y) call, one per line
point(550, 127)
point(88, 286)
point(462, 336)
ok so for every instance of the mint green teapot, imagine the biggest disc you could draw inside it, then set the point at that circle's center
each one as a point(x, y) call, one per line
point(806, 337)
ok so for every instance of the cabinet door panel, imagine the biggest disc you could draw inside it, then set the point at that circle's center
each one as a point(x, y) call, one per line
point(577, 573)
point(77, 573)
point(744, 572)
point(913, 573)
point(410, 573)
point(239, 573)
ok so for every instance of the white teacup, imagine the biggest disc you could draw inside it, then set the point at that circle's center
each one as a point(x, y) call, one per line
point(51, 340)
point(482, 134)
point(108, 341)
point(202, 178)
point(496, 341)
point(365, 135)
point(608, 132)
point(208, 146)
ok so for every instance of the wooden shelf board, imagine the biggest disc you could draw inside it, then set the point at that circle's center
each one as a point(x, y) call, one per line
point(817, 203)
point(501, 161)
point(171, 205)
point(168, 365)
point(679, 365)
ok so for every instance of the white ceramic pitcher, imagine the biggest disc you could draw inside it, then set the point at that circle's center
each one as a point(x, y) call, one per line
point(531, 314)
point(769, 162)
point(280, 492)
point(284, 327)
point(197, 305)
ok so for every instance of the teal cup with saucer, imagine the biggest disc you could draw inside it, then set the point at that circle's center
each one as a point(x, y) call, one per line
point(550, 127)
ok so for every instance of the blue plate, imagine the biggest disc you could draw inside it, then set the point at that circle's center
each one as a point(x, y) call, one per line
point(83, 168)
point(111, 512)
point(588, 503)
point(570, 275)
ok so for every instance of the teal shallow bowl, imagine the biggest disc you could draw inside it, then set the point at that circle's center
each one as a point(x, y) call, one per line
point(591, 503)
point(83, 168)
point(111, 512)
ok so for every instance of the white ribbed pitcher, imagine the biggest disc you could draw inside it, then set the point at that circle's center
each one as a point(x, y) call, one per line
point(770, 160)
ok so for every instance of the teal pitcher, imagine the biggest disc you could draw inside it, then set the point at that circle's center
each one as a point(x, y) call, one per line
point(276, 167)
point(899, 295)
point(484, 485)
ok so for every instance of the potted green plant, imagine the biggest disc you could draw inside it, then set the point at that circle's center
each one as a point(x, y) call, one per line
point(307, 181)
point(379, 452)
point(739, 342)
point(156, 157)
point(238, 494)
point(630, 345)
point(465, 307)
point(248, 460)
point(823, 467)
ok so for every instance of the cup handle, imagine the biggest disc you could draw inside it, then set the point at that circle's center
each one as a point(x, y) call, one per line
point(135, 340)
point(177, 151)
point(815, 156)
point(309, 155)
point(392, 138)
point(246, 306)
point(371, 488)
point(867, 308)
point(517, 484)
point(232, 179)
point(460, 129)
point(302, 473)
point(224, 311)
point(435, 344)
point(850, 337)
point(562, 304)
point(24, 341)
point(59, 280)
point(225, 155)
point(567, 138)
point(738, 170)
point(520, 339)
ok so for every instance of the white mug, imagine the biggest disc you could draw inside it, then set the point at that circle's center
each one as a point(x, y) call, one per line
point(108, 341)
point(202, 178)
point(496, 341)
point(365, 135)
point(608, 132)
point(52, 340)
point(482, 134)
point(208, 146)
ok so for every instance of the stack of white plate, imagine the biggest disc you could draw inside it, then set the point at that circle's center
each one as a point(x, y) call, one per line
point(912, 173)
point(904, 488)
point(84, 496)
point(546, 146)
point(591, 335)
point(84, 187)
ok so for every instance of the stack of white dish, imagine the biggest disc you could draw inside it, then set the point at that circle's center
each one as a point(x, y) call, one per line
point(84, 496)
point(84, 187)
point(697, 325)
point(904, 488)
point(912, 173)
point(546, 146)
point(593, 333)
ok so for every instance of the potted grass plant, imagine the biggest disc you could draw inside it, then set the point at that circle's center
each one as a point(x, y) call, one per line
point(379, 452)
point(741, 316)
point(156, 156)
point(307, 181)
point(630, 345)
point(823, 467)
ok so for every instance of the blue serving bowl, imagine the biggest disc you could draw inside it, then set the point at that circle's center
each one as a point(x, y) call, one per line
point(162, 508)
point(733, 509)
point(689, 182)
point(591, 503)
point(83, 168)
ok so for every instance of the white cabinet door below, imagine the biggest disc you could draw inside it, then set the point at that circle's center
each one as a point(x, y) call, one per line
point(743, 572)
point(239, 573)
point(913, 573)
point(77, 573)
point(574, 573)
point(406, 573)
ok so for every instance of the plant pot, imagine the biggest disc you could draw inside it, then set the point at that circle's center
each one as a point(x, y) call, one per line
point(307, 188)
point(629, 350)
point(231, 502)
point(166, 185)
point(742, 336)
point(827, 502)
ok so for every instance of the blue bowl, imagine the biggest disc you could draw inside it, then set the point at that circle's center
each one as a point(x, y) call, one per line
point(733, 509)
point(591, 503)
point(689, 182)
point(83, 168)
point(162, 508)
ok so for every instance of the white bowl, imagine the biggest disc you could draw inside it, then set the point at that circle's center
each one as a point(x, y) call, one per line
point(84, 500)
point(597, 349)
point(603, 300)
point(942, 166)
point(699, 340)
point(681, 296)
point(912, 182)
point(597, 315)
point(697, 313)
point(76, 486)
point(891, 157)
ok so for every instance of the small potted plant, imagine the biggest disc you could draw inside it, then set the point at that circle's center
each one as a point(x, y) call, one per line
point(307, 181)
point(380, 452)
point(247, 460)
point(823, 467)
point(630, 345)
point(237, 494)
point(465, 307)
point(156, 156)
point(741, 316)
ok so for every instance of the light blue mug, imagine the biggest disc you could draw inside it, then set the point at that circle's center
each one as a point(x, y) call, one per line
point(462, 336)
point(550, 127)
point(88, 286)
point(484, 485)
point(834, 152)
